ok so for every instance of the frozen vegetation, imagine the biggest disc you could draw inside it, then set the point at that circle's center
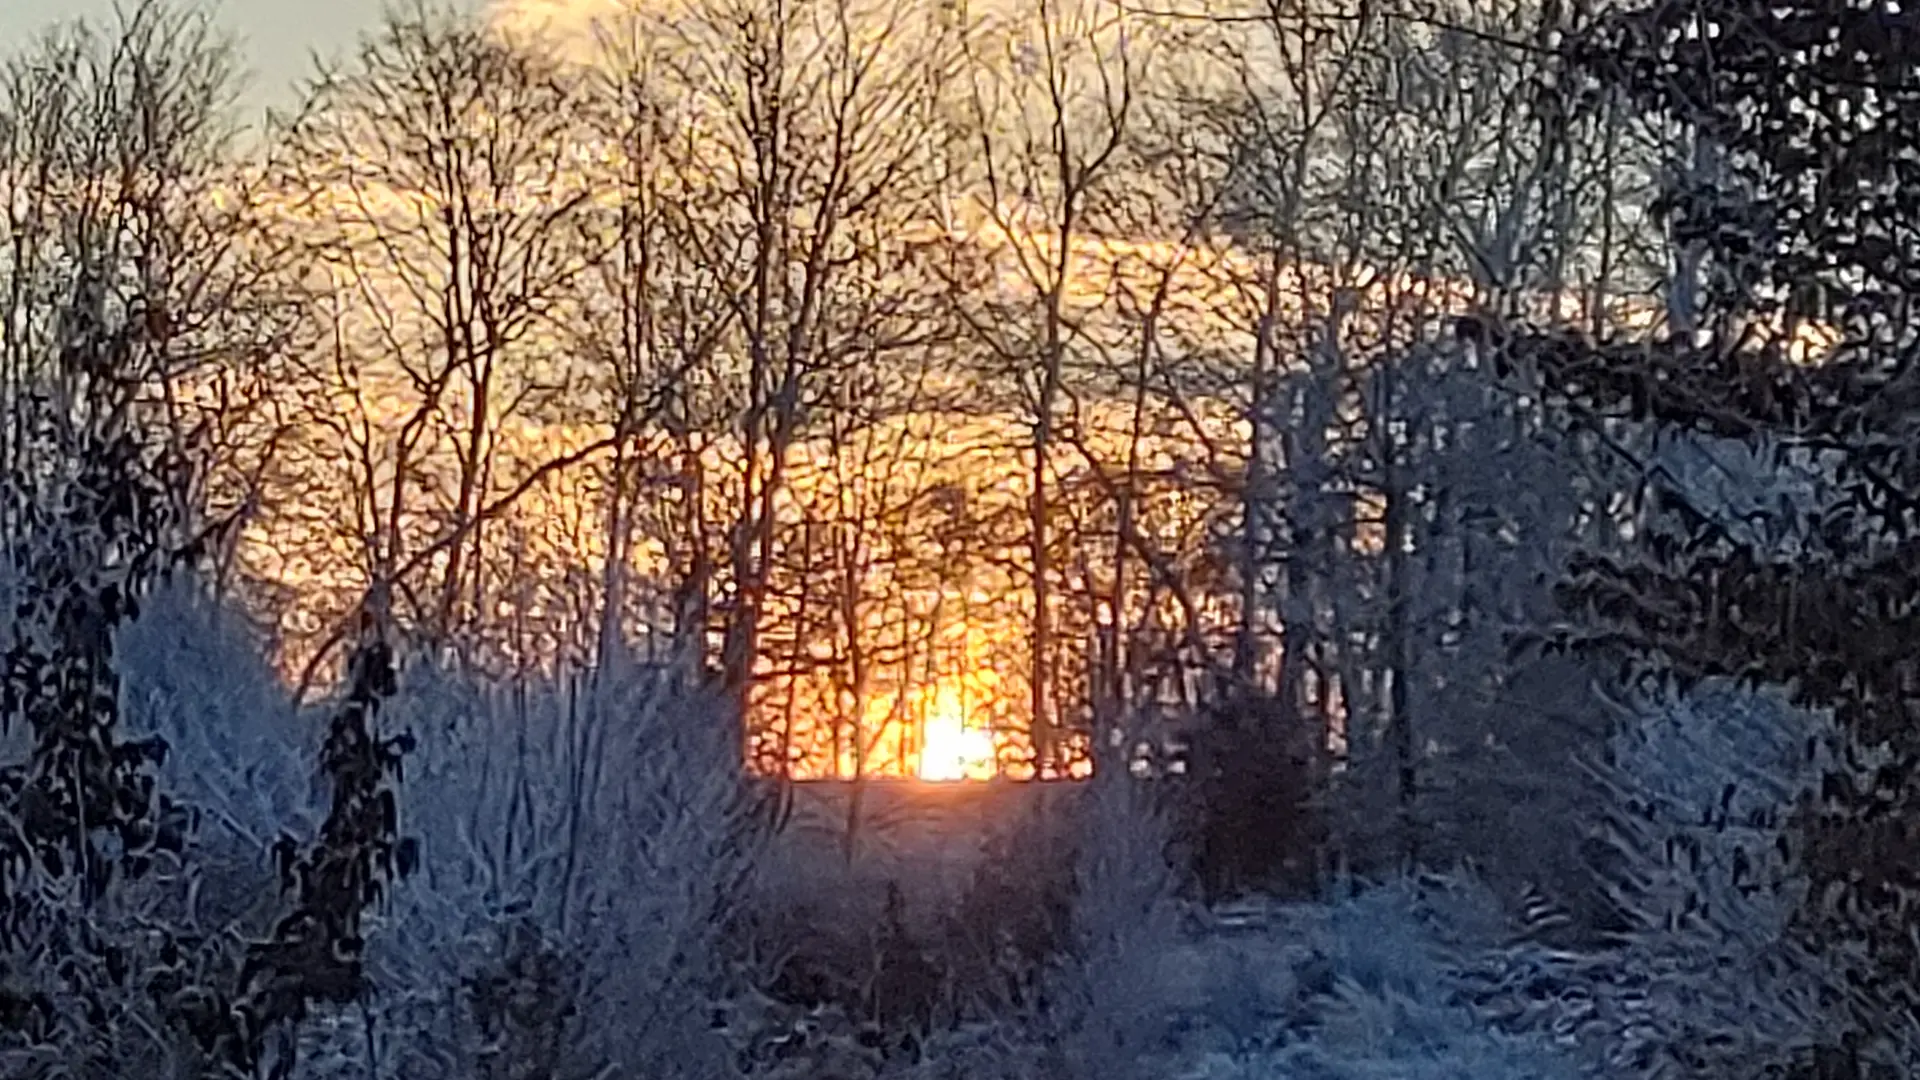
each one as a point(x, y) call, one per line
point(574, 919)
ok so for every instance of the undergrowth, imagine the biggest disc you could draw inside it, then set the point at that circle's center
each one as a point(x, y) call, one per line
point(591, 886)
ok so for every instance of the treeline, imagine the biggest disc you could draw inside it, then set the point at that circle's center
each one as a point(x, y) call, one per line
point(855, 350)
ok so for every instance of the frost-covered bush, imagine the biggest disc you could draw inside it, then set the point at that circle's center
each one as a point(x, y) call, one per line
point(1707, 978)
point(266, 954)
point(196, 674)
point(1106, 1012)
point(108, 953)
point(1372, 984)
point(1702, 787)
point(84, 988)
point(1383, 977)
point(1394, 1036)
point(580, 840)
point(582, 843)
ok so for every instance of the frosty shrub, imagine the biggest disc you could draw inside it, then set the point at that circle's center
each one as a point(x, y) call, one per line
point(1711, 776)
point(184, 959)
point(1368, 985)
point(97, 871)
point(196, 675)
point(1105, 1012)
point(1701, 789)
point(583, 841)
point(1383, 977)
point(263, 949)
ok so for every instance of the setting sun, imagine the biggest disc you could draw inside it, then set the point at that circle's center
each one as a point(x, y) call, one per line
point(951, 750)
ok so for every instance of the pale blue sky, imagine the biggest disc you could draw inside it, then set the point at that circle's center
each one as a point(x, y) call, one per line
point(277, 35)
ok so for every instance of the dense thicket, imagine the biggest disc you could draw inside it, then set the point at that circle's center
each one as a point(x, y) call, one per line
point(1798, 207)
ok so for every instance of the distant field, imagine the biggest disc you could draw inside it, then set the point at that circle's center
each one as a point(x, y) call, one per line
point(904, 815)
point(928, 837)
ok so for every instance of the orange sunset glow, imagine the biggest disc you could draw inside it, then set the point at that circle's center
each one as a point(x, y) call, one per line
point(950, 749)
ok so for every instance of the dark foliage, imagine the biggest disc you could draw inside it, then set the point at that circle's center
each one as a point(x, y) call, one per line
point(97, 525)
point(523, 1007)
point(93, 526)
point(1809, 115)
point(906, 984)
point(1249, 801)
point(1009, 924)
point(317, 951)
point(1814, 105)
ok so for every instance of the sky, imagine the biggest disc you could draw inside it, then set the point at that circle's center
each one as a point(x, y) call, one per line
point(277, 36)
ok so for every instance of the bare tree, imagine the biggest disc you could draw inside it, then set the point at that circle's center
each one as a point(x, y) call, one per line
point(1350, 227)
point(876, 499)
point(127, 224)
point(1053, 107)
point(801, 150)
point(434, 185)
point(657, 317)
